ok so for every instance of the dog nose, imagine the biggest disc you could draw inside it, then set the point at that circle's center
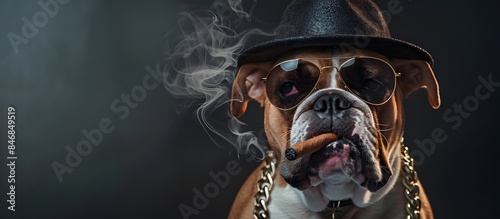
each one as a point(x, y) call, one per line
point(331, 104)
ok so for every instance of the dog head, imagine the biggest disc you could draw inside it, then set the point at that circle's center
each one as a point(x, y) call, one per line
point(328, 91)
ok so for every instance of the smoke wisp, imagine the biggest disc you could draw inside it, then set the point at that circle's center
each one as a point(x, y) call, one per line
point(201, 67)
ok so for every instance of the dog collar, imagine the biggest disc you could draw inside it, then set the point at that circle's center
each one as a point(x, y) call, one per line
point(266, 182)
point(336, 205)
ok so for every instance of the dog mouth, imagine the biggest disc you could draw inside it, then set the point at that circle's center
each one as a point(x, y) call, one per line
point(334, 163)
point(339, 162)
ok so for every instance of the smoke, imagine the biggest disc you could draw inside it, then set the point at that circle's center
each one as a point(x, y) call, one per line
point(201, 68)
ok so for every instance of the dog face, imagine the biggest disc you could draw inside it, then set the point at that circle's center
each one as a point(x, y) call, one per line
point(363, 163)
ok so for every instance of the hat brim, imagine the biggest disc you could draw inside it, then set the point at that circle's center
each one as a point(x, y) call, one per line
point(390, 47)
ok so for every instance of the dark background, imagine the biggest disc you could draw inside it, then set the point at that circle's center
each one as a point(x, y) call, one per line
point(91, 52)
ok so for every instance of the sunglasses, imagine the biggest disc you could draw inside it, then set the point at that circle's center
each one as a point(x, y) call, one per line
point(371, 79)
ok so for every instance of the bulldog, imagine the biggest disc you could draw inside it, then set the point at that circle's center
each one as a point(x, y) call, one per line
point(313, 87)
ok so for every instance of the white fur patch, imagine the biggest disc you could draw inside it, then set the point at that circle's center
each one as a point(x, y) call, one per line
point(297, 134)
point(333, 73)
point(288, 203)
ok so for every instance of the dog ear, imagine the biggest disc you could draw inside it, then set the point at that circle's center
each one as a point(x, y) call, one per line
point(248, 85)
point(417, 74)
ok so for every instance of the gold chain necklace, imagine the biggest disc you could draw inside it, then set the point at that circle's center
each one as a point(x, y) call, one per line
point(265, 185)
point(410, 179)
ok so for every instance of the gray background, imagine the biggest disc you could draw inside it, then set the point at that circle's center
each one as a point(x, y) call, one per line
point(64, 79)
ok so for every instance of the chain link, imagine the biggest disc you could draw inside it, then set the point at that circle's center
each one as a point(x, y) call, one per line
point(264, 187)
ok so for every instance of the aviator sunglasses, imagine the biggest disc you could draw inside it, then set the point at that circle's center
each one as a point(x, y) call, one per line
point(371, 79)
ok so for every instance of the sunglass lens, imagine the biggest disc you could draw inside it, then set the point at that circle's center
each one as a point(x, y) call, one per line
point(370, 79)
point(290, 82)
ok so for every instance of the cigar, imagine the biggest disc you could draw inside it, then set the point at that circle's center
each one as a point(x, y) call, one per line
point(309, 146)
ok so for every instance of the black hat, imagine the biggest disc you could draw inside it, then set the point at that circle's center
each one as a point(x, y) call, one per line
point(318, 23)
